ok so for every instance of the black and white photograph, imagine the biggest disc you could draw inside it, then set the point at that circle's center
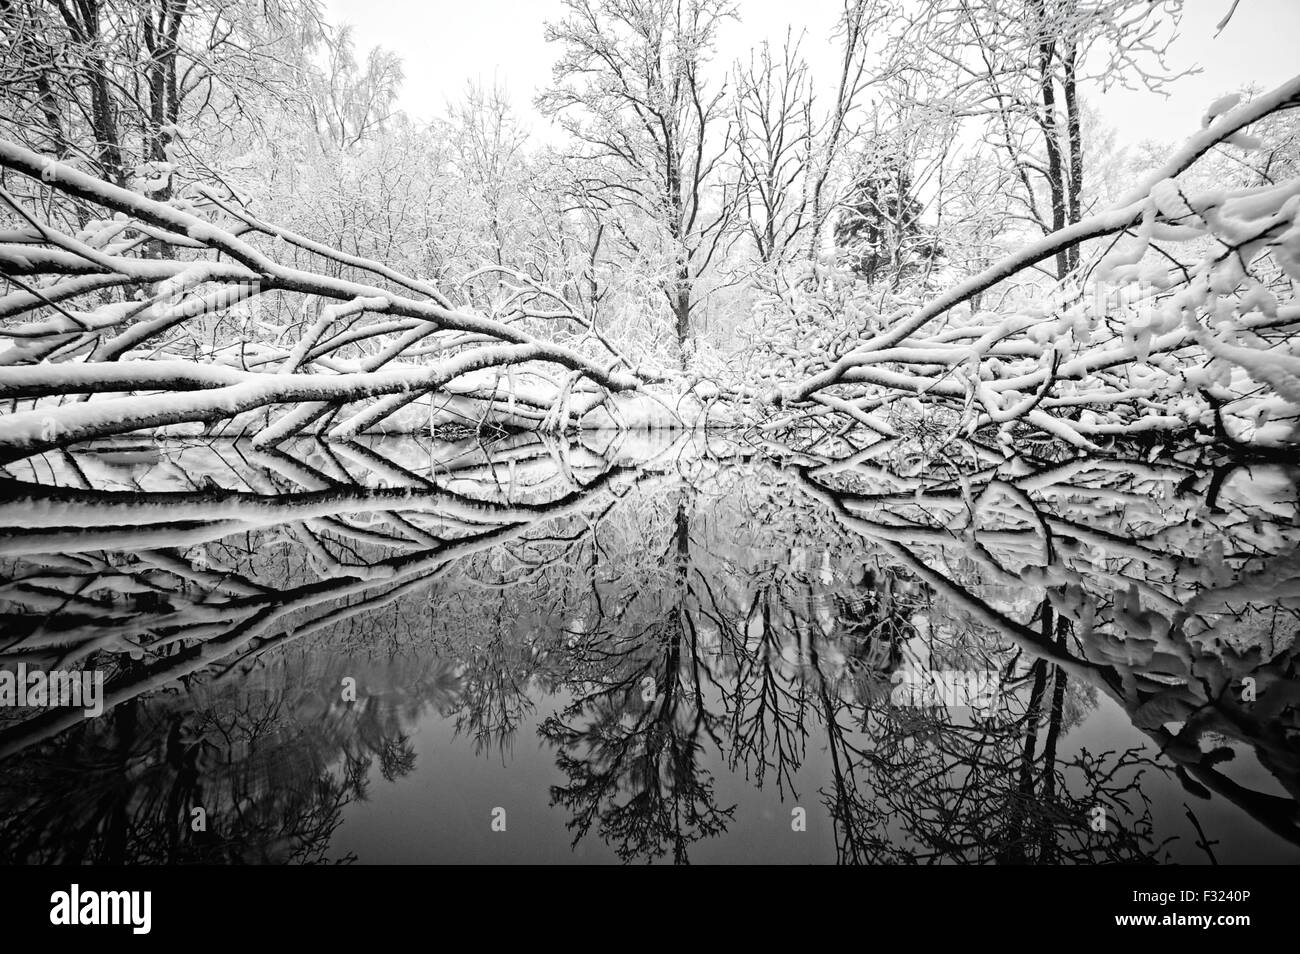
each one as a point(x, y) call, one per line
point(649, 432)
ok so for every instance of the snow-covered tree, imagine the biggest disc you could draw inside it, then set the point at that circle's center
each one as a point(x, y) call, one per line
point(631, 89)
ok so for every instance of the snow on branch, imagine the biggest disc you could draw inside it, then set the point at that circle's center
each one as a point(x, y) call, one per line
point(180, 313)
point(1140, 338)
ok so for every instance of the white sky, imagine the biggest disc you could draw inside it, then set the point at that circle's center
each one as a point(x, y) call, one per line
point(444, 43)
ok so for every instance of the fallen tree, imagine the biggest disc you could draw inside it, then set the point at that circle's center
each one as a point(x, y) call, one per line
point(117, 312)
point(1139, 339)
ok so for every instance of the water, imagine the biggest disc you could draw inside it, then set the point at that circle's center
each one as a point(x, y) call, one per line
point(650, 649)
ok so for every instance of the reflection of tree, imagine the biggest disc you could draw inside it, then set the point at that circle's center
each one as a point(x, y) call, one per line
point(631, 746)
point(272, 762)
point(228, 617)
point(691, 614)
point(932, 786)
point(272, 779)
point(998, 790)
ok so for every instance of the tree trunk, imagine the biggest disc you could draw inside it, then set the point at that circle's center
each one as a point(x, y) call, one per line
point(682, 309)
point(1075, 135)
point(1055, 169)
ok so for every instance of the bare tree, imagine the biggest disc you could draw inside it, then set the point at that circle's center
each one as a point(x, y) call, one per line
point(1017, 67)
point(630, 88)
point(349, 101)
point(789, 147)
point(774, 147)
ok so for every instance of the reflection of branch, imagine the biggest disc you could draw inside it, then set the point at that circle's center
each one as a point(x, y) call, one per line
point(764, 603)
point(1128, 684)
point(218, 630)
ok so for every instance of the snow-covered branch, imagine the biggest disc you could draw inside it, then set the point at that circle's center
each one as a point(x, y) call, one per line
point(1129, 342)
point(133, 330)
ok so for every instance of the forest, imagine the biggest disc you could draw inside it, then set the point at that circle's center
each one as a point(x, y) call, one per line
point(219, 223)
point(686, 444)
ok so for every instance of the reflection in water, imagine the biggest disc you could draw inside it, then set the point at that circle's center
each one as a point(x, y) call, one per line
point(678, 648)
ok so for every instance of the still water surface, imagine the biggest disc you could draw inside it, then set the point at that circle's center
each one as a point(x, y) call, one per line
point(650, 649)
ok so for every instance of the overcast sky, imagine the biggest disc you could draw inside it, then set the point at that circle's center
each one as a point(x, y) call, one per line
point(444, 43)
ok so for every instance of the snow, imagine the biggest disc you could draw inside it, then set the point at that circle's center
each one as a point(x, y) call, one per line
point(226, 320)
